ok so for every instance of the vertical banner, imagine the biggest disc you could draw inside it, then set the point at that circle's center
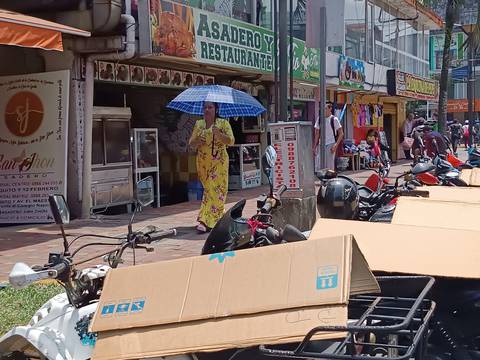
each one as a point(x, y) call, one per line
point(33, 146)
point(284, 140)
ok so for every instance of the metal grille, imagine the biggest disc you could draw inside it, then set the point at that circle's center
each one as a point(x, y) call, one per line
point(389, 326)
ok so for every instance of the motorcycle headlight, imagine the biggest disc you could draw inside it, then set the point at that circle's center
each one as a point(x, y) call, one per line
point(452, 174)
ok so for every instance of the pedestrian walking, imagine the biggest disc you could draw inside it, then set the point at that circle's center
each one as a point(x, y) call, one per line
point(334, 136)
point(456, 134)
point(466, 133)
point(407, 143)
point(211, 136)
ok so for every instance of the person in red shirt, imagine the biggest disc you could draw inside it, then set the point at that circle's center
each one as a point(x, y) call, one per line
point(434, 142)
point(372, 140)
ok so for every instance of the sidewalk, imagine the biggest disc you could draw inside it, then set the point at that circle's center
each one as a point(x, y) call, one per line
point(31, 244)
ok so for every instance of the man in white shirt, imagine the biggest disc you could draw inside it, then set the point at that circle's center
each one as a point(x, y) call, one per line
point(334, 136)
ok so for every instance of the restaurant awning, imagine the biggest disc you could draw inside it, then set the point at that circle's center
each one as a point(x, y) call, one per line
point(28, 31)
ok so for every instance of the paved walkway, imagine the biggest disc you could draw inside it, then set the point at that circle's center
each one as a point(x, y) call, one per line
point(31, 244)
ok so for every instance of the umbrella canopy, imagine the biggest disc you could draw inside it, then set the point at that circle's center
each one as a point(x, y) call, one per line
point(230, 102)
point(28, 31)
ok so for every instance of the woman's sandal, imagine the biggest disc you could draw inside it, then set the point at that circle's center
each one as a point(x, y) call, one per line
point(202, 229)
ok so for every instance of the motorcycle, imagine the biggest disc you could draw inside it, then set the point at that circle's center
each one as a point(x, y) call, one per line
point(473, 156)
point(234, 232)
point(59, 329)
point(392, 325)
point(367, 204)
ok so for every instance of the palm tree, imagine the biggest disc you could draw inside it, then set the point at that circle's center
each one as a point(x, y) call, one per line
point(450, 19)
point(451, 16)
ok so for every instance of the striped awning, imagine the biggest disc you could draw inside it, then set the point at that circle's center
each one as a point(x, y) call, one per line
point(28, 31)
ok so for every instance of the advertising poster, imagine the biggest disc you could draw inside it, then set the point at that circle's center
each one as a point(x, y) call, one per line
point(33, 144)
point(351, 72)
point(284, 141)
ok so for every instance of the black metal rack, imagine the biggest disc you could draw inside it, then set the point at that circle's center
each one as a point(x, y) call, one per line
point(392, 325)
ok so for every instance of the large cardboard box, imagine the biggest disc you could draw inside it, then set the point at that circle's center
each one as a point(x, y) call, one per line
point(452, 193)
point(437, 213)
point(471, 176)
point(266, 295)
point(410, 249)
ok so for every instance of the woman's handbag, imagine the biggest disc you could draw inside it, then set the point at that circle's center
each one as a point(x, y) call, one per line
point(407, 143)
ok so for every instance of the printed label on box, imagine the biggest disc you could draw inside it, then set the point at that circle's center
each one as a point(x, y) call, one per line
point(327, 277)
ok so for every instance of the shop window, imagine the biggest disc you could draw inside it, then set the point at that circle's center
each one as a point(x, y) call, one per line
point(355, 28)
point(98, 151)
point(117, 141)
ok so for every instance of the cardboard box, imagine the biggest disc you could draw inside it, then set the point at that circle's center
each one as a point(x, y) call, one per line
point(437, 213)
point(451, 193)
point(410, 249)
point(471, 176)
point(266, 295)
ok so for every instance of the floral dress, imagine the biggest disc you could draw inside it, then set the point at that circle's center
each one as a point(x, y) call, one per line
point(212, 170)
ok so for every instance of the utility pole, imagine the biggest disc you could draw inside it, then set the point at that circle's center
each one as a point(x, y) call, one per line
point(291, 57)
point(323, 85)
point(283, 51)
point(470, 88)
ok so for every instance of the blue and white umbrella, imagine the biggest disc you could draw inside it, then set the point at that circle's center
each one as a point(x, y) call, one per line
point(231, 102)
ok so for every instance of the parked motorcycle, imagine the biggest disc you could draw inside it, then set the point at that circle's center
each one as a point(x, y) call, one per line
point(473, 156)
point(59, 329)
point(234, 232)
point(339, 197)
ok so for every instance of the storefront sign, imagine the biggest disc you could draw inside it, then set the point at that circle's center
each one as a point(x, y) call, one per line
point(400, 83)
point(304, 93)
point(33, 151)
point(461, 106)
point(209, 38)
point(351, 72)
point(286, 171)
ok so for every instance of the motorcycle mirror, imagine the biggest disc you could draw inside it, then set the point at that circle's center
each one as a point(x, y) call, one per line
point(61, 214)
point(421, 168)
point(59, 209)
point(144, 191)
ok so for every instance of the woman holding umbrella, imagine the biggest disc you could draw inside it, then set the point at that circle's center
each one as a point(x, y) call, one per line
point(210, 137)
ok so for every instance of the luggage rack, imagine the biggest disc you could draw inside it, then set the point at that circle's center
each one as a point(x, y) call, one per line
point(389, 326)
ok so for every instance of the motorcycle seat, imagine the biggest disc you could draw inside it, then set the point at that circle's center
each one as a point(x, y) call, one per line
point(365, 193)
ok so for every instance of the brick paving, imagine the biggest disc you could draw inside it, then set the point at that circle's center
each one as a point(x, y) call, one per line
point(32, 243)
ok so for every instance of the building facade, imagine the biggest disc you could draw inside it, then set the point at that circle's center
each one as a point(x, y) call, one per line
point(144, 53)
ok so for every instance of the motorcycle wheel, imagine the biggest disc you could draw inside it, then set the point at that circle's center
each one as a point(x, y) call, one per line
point(458, 182)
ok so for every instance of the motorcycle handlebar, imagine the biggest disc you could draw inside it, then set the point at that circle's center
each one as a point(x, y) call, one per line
point(60, 268)
point(267, 207)
point(281, 190)
point(159, 235)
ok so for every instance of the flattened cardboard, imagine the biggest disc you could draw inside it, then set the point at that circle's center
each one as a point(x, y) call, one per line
point(410, 249)
point(437, 213)
point(452, 193)
point(219, 334)
point(471, 176)
point(237, 283)
point(267, 295)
